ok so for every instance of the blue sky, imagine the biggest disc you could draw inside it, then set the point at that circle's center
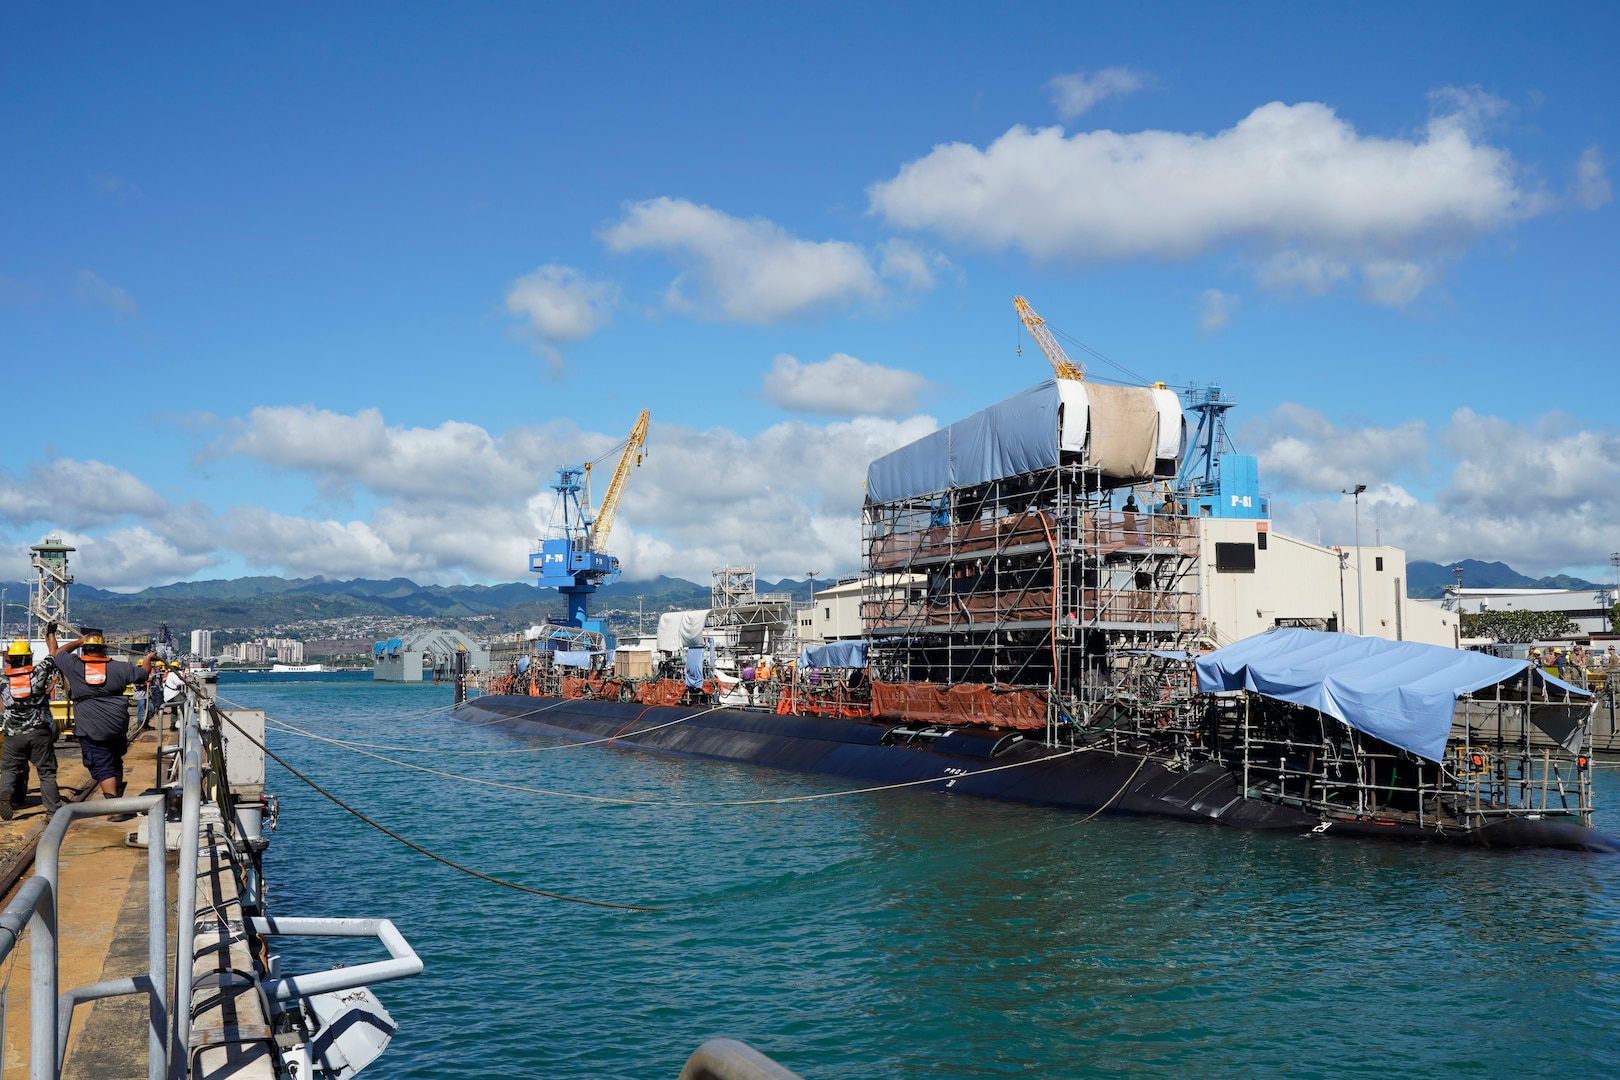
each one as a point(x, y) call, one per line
point(332, 290)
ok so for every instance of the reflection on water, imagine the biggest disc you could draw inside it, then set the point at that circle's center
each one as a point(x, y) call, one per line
point(907, 934)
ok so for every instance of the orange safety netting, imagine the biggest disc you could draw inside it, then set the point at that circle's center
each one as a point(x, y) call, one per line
point(832, 702)
point(964, 703)
point(660, 692)
point(592, 687)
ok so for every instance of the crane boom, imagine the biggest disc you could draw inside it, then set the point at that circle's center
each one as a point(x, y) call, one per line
point(1065, 368)
point(610, 502)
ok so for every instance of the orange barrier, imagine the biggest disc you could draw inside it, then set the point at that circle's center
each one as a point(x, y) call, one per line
point(592, 687)
point(660, 692)
point(965, 703)
point(835, 701)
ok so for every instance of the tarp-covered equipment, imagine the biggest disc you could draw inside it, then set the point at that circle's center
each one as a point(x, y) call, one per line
point(1402, 692)
point(836, 654)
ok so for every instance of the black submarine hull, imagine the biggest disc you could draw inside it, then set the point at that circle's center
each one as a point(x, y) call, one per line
point(983, 763)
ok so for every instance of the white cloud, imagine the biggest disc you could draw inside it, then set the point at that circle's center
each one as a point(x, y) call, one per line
point(843, 386)
point(1078, 91)
point(91, 291)
point(1307, 197)
point(122, 559)
point(453, 462)
point(561, 306)
point(1302, 450)
point(460, 503)
point(787, 499)
point(755, 271)
point(1542, 497)
point(1215, 310)
point(905, 262)
point(1591, 189)
point(75, 495)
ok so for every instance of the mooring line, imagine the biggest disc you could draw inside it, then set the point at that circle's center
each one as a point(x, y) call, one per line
point(622, 801)
point(430, 854)
point(519, 750)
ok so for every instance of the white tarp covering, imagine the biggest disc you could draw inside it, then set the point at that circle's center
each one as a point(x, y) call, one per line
point(1122, 429)
point(1172, 425)
point(681, 630)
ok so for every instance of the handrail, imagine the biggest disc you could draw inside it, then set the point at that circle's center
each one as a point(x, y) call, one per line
point(45, 1058)
point(404, 963)
point(185, 958)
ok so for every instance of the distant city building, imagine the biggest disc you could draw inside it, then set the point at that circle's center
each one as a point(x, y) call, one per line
point(287, 650)
point(202, 643)
point(1588, 609)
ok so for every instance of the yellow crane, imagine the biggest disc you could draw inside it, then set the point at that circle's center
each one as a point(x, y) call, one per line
point(1065, 368)
point(633, 446)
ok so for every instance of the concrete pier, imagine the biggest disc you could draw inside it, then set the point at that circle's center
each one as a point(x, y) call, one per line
point(102, 932)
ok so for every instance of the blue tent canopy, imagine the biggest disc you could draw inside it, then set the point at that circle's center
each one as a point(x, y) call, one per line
point(837, 654)
point(1399, 691)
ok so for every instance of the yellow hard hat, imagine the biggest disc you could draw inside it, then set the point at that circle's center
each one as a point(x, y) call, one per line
point(20, 647)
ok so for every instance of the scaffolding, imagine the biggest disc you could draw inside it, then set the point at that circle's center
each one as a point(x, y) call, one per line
point(1041, 581)
point(747, 624)
point(1498, 763)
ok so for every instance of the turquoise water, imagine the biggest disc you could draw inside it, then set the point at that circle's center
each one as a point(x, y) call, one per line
point(905, 934)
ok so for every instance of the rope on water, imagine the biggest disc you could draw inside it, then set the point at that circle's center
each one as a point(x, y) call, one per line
point(622, 801)
point(1111, 798)
point(419, 848)
point(291, 729)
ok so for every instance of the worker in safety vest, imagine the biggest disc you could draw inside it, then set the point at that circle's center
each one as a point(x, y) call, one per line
point(100, 715)
point(30, 730)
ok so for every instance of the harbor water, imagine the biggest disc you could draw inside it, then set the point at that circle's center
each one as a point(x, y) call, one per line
point(907, 933)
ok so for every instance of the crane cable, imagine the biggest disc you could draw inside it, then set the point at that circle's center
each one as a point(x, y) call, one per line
point(385, 830)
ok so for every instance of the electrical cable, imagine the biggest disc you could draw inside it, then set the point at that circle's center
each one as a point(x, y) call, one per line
point(419, 848)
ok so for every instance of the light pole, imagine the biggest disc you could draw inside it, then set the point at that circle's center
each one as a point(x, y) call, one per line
point(1361, 608)
point(811, 574)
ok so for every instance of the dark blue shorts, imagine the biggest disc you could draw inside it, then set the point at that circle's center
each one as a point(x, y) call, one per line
point(103, 757)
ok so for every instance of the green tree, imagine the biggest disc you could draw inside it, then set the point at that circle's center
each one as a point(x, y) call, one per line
point(1519, 626)
point(1614, 618)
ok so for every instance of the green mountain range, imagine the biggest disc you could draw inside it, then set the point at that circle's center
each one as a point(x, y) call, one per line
point(1428, 581)
point(261, 603)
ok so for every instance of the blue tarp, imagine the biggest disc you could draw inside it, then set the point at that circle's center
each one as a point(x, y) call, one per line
point(1009, 438)
point(1399, 691)
point(572, 658)
point(839, 654)
point(694, 667)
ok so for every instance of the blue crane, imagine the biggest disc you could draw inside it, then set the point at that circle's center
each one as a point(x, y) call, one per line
point(571, 559)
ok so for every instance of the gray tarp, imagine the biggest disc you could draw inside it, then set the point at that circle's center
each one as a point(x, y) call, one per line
point(1023, 434)
point(1401, 692)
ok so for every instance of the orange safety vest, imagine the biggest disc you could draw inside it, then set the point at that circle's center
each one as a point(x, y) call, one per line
point(95, 670)
point(21, 681)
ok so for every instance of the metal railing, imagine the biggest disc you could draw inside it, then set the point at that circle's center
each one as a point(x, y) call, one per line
point(37, 909)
